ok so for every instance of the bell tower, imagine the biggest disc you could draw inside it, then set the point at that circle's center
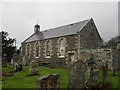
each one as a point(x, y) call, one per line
point(36, 28)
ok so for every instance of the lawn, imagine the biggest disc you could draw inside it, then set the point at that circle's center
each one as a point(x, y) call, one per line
point(21, 80)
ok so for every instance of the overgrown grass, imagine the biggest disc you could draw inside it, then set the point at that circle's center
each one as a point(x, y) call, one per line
point(21, 80)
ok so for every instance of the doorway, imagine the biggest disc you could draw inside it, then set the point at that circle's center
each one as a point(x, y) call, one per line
point(71, 56)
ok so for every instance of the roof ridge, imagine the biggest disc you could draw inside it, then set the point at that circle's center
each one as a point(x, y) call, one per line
point(66, 25)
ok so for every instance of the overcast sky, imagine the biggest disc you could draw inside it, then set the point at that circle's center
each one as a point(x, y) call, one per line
point(19, 18)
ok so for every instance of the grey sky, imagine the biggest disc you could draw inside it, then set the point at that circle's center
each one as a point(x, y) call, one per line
point(19, 18)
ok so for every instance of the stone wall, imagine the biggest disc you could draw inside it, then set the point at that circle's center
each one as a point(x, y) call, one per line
point(54, 60)
point(89, 37)
point(101, 56)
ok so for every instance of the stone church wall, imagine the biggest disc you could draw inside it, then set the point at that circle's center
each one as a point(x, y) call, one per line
point(54, 60)
point(89, 37)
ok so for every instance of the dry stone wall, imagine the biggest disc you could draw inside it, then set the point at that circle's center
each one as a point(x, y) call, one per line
point(100, 56)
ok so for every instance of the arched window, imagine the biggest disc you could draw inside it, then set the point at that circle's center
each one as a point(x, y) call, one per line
point(37, 49)
point(48, 48)
point(61, 49)
point(28, 47)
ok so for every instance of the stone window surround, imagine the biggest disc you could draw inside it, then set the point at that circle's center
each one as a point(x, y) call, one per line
point(58, 49)
point(37, 42)
point(50, 49)
point(27, 49)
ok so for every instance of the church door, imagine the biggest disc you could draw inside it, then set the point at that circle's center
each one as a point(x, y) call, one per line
point(71, 57)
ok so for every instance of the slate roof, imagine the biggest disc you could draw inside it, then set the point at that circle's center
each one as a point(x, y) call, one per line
point(57, 32)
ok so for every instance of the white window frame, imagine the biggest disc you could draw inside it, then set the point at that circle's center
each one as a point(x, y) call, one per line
point(49, 50)
point(27, 49)
point(59, 47)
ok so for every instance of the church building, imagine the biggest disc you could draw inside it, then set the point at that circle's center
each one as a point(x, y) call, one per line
point(61, 45)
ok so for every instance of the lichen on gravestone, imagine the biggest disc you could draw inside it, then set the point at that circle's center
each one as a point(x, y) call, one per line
point(34, 67)
point(49, 81)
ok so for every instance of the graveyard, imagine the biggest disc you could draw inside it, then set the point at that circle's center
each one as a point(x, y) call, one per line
point(22, 80)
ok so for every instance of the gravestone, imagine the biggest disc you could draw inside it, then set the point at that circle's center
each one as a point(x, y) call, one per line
point(19, 68)
point(115, 61)
point(15, 65)
point(92, 76)
point(49, 81)
point(34, 67)
point(76, 75)
point(104, 72)
point(83, 74)
point(4, 62)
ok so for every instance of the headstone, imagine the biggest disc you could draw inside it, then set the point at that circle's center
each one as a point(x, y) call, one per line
point(23, 61)
point(11, 61)
point(104, 73)
point(49, 81)
point(34, 67)
point(76, 77)
point(83, 74)
point(18, 67)
point(4, 62)
point(93, 72)
point(115, 61)
point(15, 65)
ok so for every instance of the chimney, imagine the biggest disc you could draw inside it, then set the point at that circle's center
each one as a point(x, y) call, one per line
point(36, 28)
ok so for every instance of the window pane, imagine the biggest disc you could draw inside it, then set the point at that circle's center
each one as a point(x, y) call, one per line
point(48, 48)
point(28, 49)
point(37, 50)
point(61, 47)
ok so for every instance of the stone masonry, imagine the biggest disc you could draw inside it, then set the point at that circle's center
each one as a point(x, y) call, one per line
point(81, 35)
point(101, 56)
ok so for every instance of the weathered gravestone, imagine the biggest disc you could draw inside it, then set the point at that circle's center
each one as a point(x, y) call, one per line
point(92, 77)
point(104, 73)
point(76, 75)
point(4, 62)
point(118, 48)
point(115, 61)
point(49, 81)
point(34, 67)
point(18, 67)
point(83, 74)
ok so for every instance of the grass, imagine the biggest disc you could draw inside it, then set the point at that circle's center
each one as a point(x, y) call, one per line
point(113, 80)
point(21, 80)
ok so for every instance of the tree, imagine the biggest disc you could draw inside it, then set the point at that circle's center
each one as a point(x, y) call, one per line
point(7, 46)
point(113, 42)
